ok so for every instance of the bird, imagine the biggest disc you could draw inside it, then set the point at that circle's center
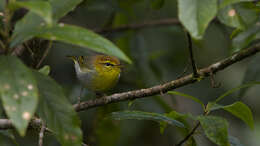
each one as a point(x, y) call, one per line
point(97, 73)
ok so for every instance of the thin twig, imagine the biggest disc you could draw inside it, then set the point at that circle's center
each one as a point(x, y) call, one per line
point(44, 54)
point(141, 93)
point(194, 68)
point(189, 135)
point(41, 134)
point(162, 22)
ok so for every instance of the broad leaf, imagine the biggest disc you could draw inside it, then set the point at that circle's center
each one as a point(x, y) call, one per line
point(245, 38)
point(215, 129)
point(241, 15)
point(41, 8)
point(139, 115)
point(61, 7)
point(195, 15)
point(241, 111)
point(31, 24)
point(238, 109)
point(84, 38)
point(236, 89)
point(56, 111)
point(45, 70)
point(18, 92)
point(188, 96)
point(224, 3)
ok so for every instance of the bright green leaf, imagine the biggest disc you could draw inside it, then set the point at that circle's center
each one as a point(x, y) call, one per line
point(45, 69)
point(244, 38)
point(30, 25)
point(187, 96)
point(224, 3)
point(84, 38)
point(215, 129)
point(139, 115)
point(236, 89)
point(57, 113)
point(41, 8)
point(18, 92)
point(241, 111)
point(195, 15)
point(241, 15)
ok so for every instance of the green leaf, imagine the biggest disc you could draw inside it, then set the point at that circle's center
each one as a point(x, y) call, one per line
point(61, 7)
point(18, 92)
point(30, 25)
point(139, 115)
point(241, 111)
point(244, 38)
point(195, 15)
point(84, 38)
point(241, 15)
point(57, 113)
point(224, 3)
point(45, 70)
point(238, 109)
point(188, 96)
point(236, 89)
point(215, 129)
point(6, 139)
point(39, 7)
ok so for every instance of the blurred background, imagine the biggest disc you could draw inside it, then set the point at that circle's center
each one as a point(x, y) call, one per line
point(159, 54)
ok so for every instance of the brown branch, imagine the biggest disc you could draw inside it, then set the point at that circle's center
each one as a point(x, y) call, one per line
point(162, 22)
point(205, 72)
point(130, 95)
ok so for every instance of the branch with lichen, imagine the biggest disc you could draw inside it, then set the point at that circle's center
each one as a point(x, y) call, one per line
point(158, 89)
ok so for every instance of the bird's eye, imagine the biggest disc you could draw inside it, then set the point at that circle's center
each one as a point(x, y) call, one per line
point(108, 64)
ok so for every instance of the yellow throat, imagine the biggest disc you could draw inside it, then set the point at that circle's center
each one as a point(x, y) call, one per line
point(98, 73)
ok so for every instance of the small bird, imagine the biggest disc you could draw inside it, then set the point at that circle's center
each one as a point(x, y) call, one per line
point(97, 73)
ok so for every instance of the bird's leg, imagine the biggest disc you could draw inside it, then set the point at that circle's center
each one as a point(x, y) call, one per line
point(80, 94)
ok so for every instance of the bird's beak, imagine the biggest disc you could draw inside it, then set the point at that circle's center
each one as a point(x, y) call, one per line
point(72, 58)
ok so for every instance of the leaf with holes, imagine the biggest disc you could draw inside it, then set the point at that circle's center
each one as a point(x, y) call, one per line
point(139, 115)
point(18, 92)
point(195, 15)
point(56, 111)
point(215, 129)
point(84, 38)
